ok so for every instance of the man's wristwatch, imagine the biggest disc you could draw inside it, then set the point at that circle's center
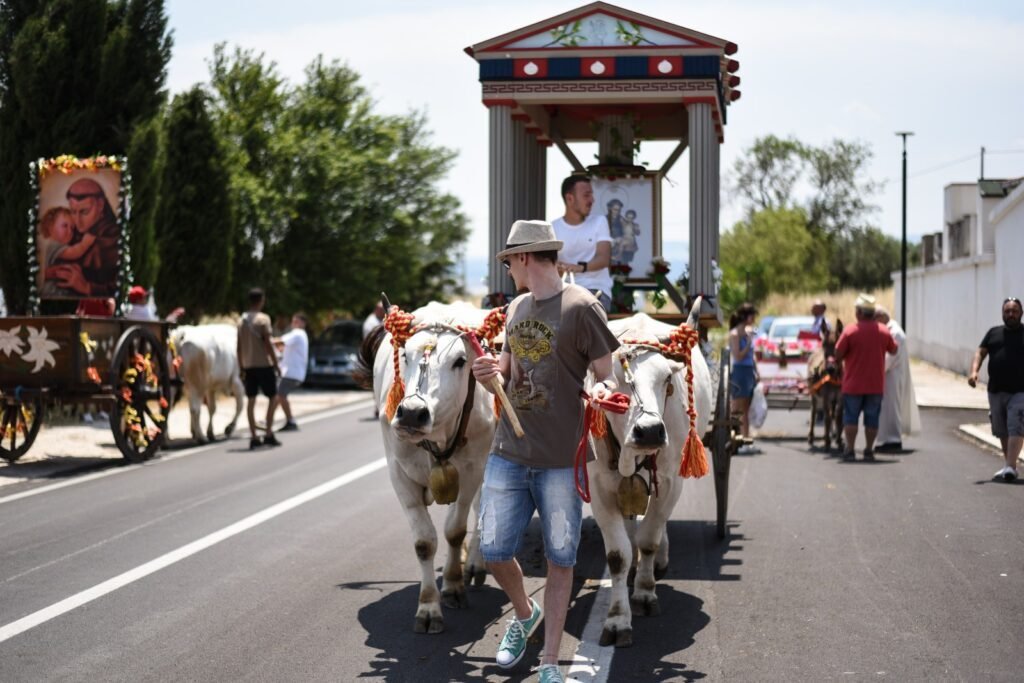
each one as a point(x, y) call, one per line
point(583, 265)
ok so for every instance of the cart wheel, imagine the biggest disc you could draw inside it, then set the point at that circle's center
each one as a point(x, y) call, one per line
point(19, 423)
point(722, 444)
point(142, 388)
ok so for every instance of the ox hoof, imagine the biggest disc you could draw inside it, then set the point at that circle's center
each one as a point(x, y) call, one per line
point(618, 638)
point(660, 572)
point(425, 624)
point(475, 575)
point(210, 436)
point(454, 599)
point(229, 430)
point(645, 606)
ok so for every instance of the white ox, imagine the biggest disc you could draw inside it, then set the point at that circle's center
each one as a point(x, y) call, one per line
point(436, 391)
point(656, 424)
point(209, 365)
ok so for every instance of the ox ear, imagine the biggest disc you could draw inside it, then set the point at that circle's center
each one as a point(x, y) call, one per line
point(675, 366)
point(839, 327)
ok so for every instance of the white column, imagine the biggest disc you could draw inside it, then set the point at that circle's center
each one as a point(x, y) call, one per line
point(704, 199)
point(502, 207)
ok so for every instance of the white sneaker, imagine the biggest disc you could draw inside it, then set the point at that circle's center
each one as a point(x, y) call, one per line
point(748, 449)
point(1007, 474)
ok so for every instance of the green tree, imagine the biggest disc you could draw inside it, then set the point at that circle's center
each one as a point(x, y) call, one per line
point(76, 77)
point(827, 182)
point(336, 202)
point(775, 252)
point(195, 215)
point(865, 258)
point(146, 155)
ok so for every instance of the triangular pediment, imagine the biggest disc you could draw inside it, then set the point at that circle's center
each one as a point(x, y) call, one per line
point(600, 25)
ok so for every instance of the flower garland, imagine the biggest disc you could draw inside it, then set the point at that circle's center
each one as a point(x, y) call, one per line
point(67, 164)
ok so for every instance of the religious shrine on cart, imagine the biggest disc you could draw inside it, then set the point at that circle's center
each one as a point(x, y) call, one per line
point(607, 74)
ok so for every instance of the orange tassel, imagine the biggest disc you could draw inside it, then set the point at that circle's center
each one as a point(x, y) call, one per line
point(395, 396)
point(695, 461)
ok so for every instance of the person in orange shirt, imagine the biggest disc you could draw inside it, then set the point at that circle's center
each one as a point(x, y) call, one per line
point(862, 348)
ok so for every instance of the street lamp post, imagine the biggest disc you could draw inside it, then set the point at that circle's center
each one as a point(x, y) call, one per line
point(903, 257)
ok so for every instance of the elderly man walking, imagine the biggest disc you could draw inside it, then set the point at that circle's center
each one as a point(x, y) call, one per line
point(900, 416)
point(553, 333)
point(1004, 346)
point(862, 348)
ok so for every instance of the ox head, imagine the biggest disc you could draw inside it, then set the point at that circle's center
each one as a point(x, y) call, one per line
point(655, 386)
point(435, 367)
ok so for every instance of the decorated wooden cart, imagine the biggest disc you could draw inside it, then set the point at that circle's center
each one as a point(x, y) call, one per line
point(78, 254)
point(122, 366)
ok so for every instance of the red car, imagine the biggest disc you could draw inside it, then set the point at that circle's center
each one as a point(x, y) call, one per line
point(782, 356)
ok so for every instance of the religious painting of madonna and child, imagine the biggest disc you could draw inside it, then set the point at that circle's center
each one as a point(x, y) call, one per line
point(630, 205)
point(77, 236)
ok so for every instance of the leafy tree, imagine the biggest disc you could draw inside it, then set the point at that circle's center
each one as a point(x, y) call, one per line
point(76, 77)
point(865, 258)
point(146, 156)
point(336, 202)
point(774, 252)
point(195, 215)
point(826, 182)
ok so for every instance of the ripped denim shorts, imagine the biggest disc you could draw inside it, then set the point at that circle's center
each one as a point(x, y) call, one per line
point(511, 493)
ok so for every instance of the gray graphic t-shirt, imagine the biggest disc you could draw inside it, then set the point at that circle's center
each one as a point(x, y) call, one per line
point(552, 342)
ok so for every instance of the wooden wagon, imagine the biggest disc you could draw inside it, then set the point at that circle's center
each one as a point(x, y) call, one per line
point(120, 365)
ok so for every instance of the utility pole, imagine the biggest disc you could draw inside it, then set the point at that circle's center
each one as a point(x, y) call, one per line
point(903, 257)
point(982, 176)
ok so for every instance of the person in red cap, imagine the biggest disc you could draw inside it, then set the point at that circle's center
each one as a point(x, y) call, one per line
point(137, 297)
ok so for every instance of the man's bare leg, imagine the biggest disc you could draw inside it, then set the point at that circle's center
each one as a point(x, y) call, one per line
point(509, 576)
point(556, 605)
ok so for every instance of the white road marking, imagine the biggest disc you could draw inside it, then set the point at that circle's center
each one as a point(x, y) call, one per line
point(591, 662)
point(351, 407)
point(12, 629)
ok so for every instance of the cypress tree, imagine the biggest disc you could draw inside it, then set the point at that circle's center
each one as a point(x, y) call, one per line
point(195, 215)
point(76, 77)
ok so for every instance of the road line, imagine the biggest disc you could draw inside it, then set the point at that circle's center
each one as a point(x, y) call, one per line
point(12, 629)
point(334, 412)
point(592, 662)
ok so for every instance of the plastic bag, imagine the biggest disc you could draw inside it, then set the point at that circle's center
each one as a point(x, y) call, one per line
point(758, 407)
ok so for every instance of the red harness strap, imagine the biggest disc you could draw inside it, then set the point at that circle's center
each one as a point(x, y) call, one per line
point(618, 403)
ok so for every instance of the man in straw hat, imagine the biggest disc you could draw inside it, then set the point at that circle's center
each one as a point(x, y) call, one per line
point(553, 334)
point(900, 415)
point(862, 348)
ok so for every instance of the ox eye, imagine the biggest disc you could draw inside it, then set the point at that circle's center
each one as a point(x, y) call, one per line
point(459, 362)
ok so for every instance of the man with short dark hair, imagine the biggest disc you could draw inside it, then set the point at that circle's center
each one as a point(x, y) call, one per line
point(259, 366)
point(862, 348)
point(553, 334)
point(1004, 347)
point(586, 243)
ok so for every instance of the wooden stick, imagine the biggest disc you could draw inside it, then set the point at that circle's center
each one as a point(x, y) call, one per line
point(499, 391)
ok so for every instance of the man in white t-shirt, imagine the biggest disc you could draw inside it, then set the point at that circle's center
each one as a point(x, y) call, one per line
point(294, 348)
point(587, 247)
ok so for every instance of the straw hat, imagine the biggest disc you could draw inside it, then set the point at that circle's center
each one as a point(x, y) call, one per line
point(865, 302)
point(527, 236)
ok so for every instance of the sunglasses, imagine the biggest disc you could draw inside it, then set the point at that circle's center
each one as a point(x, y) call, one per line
point(1011, 298)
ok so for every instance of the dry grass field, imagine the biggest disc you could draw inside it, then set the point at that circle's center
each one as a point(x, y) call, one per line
point(839, 303)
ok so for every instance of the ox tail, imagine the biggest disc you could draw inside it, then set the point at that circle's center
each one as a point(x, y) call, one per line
point(694, 319)
point(363, 374)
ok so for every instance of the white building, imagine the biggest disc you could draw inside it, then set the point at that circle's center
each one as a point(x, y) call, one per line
point(970, 268)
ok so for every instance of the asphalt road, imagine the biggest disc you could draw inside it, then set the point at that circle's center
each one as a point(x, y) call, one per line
point(296, 564)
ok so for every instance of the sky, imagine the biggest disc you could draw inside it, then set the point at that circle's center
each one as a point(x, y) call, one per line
point(948, 71)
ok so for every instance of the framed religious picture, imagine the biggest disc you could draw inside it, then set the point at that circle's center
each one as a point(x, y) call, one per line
point(632, 206)
point(80, 228)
